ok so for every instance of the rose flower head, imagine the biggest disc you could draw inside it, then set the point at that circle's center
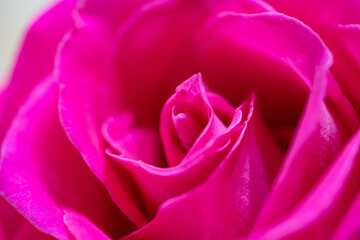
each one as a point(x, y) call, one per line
point(184, 119)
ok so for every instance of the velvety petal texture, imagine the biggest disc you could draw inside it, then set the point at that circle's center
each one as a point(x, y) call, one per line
point(321, 211)
point(15, 226)
point(256, 41)
point(81, 227)
point(347, 63)
point(337, 22)
point(39, 177)
point(184, 119)
point(30, 201)
point(80, 67)
point(35, 61)
point(349, 226)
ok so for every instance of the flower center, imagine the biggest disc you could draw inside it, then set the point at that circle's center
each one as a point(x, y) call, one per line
point(189, 121)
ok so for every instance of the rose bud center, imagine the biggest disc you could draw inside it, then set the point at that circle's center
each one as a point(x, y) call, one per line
point(189, 121)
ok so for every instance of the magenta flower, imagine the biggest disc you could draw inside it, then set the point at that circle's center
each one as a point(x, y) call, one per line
point(179, 119)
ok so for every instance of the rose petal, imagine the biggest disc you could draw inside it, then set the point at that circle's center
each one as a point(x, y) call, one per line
point(317, 216)
point(221, 107)
point(80, 65)
point(340, 107)
point(343, 41)
point(139, 143)
point(235, 191)
point(14, 226)
point(310, 60)
point(350, 224)
point(19, 181)
point(81, 228)
point(316, 142)
point(337, 22)
point(281, 47)
point(131, 179)
point(141, 188)
point(245, 6)
point(166, 28)
point(190, 98)
point(187, 128)
point(86, 99)
point(35, 60)
point(351, 35)
point(41, 171)
point(322, 11)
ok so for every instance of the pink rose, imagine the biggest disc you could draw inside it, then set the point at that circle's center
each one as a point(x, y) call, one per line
point(181, 119)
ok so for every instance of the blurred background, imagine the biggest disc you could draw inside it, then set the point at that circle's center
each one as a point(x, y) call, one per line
point(15, 16)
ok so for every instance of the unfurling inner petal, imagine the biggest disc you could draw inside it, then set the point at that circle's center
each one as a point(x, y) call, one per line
point(200, 131)
point(187, 125)
point(188, 120)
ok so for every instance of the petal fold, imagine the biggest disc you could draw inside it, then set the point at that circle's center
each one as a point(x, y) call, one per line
point(235, 190)
point(81, 228)
point(323, 209)
point(41, 171)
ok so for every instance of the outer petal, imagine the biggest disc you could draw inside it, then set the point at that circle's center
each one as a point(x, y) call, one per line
point(317, 216)
point(41, 171)
point(344, 40)
point(14, 226)
point(317, 140)
point(318, 12)
point(80, 65)
point(35, 202)
point(337, 22)
point(262, 39)
point(280, 46)
point(226, 205)
point(35, 60)
point(349, 228)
